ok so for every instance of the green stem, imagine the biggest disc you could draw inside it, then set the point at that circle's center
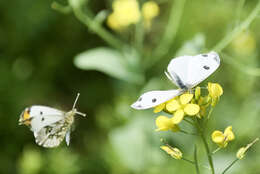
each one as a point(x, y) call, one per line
point(187, 160)
point(210, 112)
point(196, 160)
point(170, 31)
point(244, 25)
point(192, 162)
point(230, 165)
point(61, 8)
point(216, 150)
point(94, 26)
point(206, 147)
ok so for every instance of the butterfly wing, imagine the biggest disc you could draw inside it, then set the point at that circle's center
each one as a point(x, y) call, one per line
point(178, 70)
point(201, 67)
point(154, 98)
point(189, 71)
point(42, 116)
point(52, 135)
point(67, 138)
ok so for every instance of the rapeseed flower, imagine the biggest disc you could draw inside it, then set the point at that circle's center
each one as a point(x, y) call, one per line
point(174, 152)
point(222, 139)
point(125, 13)
point(181, 106)
point(149, 11)
point(164, 124)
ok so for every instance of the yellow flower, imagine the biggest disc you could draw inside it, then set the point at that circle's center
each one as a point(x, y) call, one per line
point(125, 13)
point(174, 152)
point(149, 10)
point(112, 22)
point(215, 91)
point(242, 151)
point(221, 138)
point(164, 124)
point(159, 108)
point(181, 106)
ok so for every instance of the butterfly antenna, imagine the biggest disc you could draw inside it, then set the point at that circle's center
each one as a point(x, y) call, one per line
point(75, 102)
point(74, 105)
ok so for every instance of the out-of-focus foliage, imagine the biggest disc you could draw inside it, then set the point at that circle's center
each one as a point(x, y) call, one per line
point(40, 49)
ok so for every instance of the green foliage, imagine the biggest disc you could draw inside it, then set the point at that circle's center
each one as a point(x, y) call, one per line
point(46, 57)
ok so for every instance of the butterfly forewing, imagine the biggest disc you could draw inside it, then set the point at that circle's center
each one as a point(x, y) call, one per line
point(201, 67)
point(178, 70)
point(42, 116)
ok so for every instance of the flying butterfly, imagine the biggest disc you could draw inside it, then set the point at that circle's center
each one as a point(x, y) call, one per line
point(186, 72)
point(49, 125)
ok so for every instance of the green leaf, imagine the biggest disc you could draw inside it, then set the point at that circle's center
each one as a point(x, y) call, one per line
point(108, 61)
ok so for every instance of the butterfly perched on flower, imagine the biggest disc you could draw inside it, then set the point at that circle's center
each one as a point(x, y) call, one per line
point(185, 72)
point(49, 125)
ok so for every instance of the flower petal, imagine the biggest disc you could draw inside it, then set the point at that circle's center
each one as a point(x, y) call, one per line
point(164, 124)
point(159, 108)
point(172, 105)
point(229, 133)
point(191, 109)
point(215, 90)
point(178, 116)
point(218, 137)
point(186, 98)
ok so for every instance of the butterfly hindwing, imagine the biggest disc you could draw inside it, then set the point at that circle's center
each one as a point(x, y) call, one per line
point(52, 135)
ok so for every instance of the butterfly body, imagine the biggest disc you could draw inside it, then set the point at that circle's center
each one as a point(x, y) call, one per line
point(186, 72)
point(49, 125)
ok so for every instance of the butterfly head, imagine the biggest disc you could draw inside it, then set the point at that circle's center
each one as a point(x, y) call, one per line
point(25, 117)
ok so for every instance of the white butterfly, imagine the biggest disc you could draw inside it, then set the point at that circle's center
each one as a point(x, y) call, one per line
point(49, 126)
point(185, 72)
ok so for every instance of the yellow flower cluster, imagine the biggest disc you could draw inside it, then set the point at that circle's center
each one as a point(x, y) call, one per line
point(222, 139)
point(127, 12)
point(188, 104)
point(174, 152)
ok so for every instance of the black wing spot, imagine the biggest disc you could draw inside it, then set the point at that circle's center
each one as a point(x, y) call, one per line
point(204, 55)
point(206, 67)
point(140, 99)
point(41, 113)
point(43, 118)
point(154, 100)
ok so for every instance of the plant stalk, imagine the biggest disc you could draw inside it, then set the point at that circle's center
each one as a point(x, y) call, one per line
point(244, 25)
point(95, 27)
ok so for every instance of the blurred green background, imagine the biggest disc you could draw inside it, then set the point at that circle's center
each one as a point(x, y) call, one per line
point(38, 46)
